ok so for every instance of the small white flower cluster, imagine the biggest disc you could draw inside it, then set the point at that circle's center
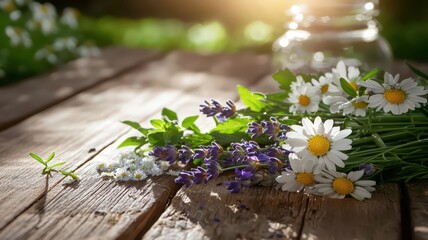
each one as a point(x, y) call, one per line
point(70, 180)
point(130, 166)
point(28, 19)
point(393, 95)
point(318, 150)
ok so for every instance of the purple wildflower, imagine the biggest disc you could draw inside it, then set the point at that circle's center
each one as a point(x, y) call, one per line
point(277, 152)
point(199, 175)
point(200, 153)
point(244, 176)
point(211, 109)
point(213, 170)
point(227, 112)
point(185, 154)
point(263, 158)
point(214, 151)
point(271, 128)
point(233, 186)
point(168, 153)
point(368, 168)
point(184, 177)
point(255, 129)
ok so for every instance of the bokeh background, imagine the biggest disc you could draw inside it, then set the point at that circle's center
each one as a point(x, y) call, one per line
point(199, 25)
point(405, 23)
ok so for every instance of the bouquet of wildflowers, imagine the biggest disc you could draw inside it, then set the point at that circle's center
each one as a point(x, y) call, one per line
point(333, 134)
point(36, 38)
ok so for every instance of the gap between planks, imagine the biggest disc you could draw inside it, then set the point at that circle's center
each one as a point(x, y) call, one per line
point(24, 99)
point(176, 67)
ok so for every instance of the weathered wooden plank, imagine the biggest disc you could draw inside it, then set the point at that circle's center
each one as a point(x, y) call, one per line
point(418, 209)
point(211, 212)
point(158, 84)
point(26, 98)
point(377, 218)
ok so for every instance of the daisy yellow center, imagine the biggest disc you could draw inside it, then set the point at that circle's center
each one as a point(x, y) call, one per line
point(318, 145)
point(354, 85)
point(305, 178)
point(324, 88)
point(124, 174)
point(394, 96)
point(304, 100)
point(343, 186)
point(361, 104)
point(138, 175)
point(44, 9)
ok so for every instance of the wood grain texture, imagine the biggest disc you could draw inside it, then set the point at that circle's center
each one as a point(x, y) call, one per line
point(90, 120)
point(211, 212)
point(418, 206)
point(377, 218)
point(26, 98)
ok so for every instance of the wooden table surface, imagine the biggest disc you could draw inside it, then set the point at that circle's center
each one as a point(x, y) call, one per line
point(79, 107)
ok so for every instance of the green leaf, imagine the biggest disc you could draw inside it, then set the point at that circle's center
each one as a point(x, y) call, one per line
point(279, 96)
point(169, 114)
point(232, 126)
point(417, 71)
point(196, 140)
point(284, 78)
point(198, 162)
point(37, 158)
point(227, 139)
point(156, 139)
point(172, 135)
point(137, 126)
point(189, 123)
point(158, 124)
point(56, 165)
point(133, 141)
point(50, 157)
point(347, 88)
point(252, 100)
point(370, 74)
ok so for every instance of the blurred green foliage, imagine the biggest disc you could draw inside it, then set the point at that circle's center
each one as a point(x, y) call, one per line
point(35, 38)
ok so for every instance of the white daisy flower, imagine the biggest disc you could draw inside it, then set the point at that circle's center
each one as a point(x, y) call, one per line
point(334, 102)
point(173, 173)
point(300, 177)
point(47, 53)
point(18, 36)
point(69, 17)
point(357, 106)
point(67, 43)
point(43, 11)
point(325, 85)
point(121, 174)
point(304, 99)
point(101, 166)
point(69, 180)
point(298, 83)
point(107, 174)
point(320, 142)
point(15, 15)
point(350, 74)
point(88, 50)
point(338, 185)
point(394, 96)
point(139, 175)
point(46, 25)
point(7, 5)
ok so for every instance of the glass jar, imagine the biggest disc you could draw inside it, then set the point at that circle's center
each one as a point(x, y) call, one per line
point(321, 33)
